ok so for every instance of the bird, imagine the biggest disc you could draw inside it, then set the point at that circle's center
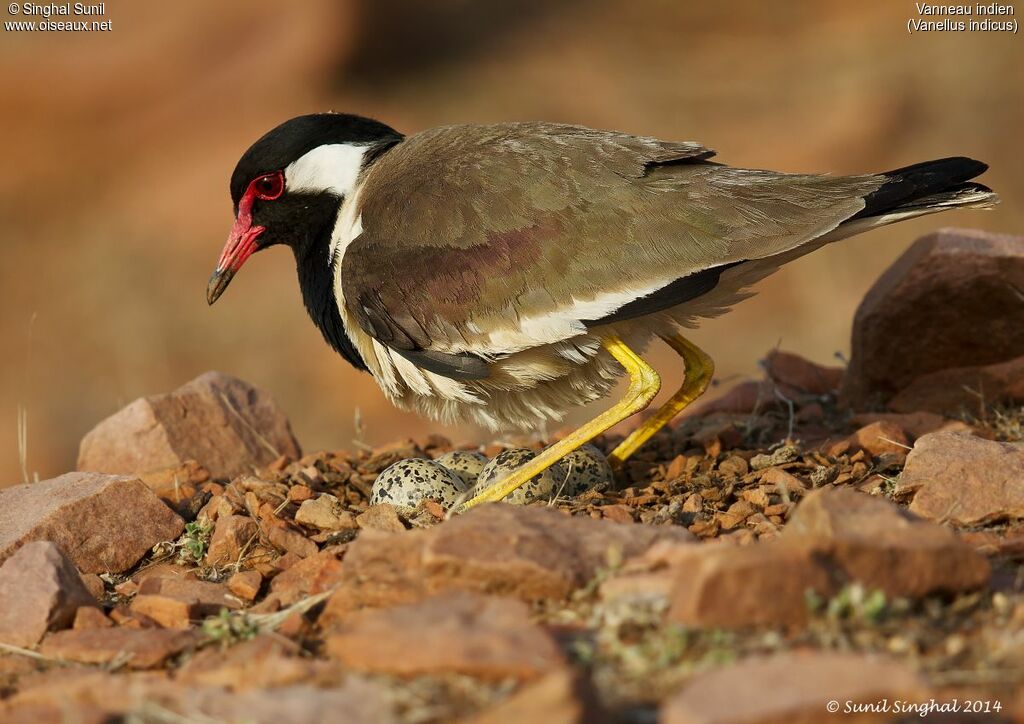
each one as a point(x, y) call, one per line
point(506, 273)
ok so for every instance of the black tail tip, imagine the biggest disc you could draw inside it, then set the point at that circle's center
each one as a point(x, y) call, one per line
point(904, 185)
point(952, 170)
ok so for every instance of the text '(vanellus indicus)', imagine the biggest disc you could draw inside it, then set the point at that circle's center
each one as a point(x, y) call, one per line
point(507, 273)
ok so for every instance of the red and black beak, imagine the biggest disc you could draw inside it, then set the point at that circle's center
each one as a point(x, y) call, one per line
point(241, 243)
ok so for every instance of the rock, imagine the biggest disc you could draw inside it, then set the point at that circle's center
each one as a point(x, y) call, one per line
point(736, 586)
point(879, 437)
point(176, 485)
point(407, 482)
point(40, 591)
point(103, 523)
point(90, 617)
point(560, 697)
point(934, 309)
point(308, 577)
point(780, 456)
point(528, 552)
point(464, 463)
point(233, 536)
point(95, 585)
point(785, 483)
point(138, 648)
point(221, 422)
point(324, 513)
point(791, 687)
point(962, 390)
point(262, 662)
point(361, 702)
point(915, 424)
point(245, 585)
point(744, 398)
point(884, 547)
point(454, 633)
point(95, 696)
point(285, 538)
point(165, 611)
point(176, 602)
point(964, 480)
point(800, 375)
point(381, 516)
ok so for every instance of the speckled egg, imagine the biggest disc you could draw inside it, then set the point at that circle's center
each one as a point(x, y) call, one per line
point(407, 482)
point(587, 468)
point(540, 487)
point(464, 463)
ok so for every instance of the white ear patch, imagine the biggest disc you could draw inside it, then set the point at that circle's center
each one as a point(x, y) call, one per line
point(334, 167)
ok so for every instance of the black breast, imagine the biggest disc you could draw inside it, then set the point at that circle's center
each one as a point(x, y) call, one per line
point(316, 280)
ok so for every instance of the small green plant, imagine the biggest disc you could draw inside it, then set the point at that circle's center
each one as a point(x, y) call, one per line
point(229, 628)
point(193, 543)
point(854, 602)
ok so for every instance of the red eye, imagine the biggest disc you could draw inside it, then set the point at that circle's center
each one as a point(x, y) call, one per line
point(268, 187)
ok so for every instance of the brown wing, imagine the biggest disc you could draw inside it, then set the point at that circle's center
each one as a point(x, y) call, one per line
point(489, 240)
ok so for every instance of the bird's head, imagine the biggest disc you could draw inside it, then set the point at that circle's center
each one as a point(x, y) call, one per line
point(288, 187)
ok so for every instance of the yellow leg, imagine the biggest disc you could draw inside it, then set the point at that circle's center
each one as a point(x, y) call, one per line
point(698, 370)
point(644, 384)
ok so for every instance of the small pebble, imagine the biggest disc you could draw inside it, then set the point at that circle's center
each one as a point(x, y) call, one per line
point(464, 463)
point(540, 487)
point(405, 483)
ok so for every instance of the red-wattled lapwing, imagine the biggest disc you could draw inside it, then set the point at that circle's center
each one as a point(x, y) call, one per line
point(506, 273)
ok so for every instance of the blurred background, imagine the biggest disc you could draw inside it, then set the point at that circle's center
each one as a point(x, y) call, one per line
point(117, 148)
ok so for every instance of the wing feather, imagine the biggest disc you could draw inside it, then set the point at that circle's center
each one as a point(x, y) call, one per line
point(483, 241)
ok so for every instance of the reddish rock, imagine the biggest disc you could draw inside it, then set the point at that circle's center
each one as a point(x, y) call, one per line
point(308, 577)
point(454, 633)
point(288, 540)
point(382, 516)
point(560, 697)
point(221, 422)
point(99, 697)
point(964, 480)
point(879, 437)
point(166, 611)
point(792, 688)
point(233, 536)
point(935, 309)
point(301, 493)
point(40, 591)
point(354, 701)
point(783, 481)
point(883, 546)
point(524, 551)
point(90, 617)
point(261, 662)
point(95, 585)
point(176, 485)
point(137, 648)
point(915, 424)
point(651, 574)
point(103, 523)
point(95, 697)
point(163, 570)
point(735, 586)
point(962, 390)
point(206, 597)
point(325, 513)
point(245, 585)
point(798, 374)
point(743, 398)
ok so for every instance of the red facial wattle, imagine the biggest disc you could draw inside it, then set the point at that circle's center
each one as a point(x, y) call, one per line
point(243, 239)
